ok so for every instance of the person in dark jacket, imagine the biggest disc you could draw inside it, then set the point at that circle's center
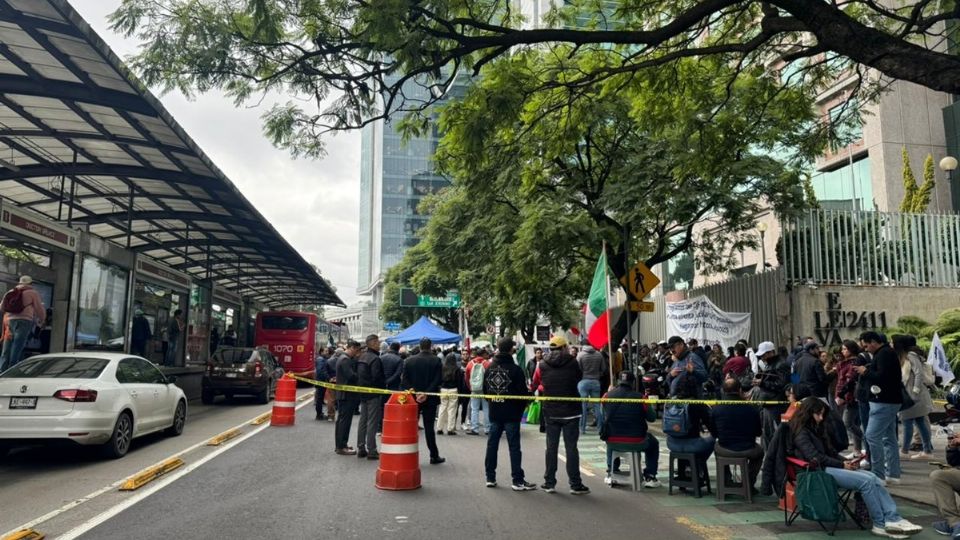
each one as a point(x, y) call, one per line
point(423, 372)
point(811, 443)
point(771, 381)
point(141, 334)
point(370, 375)
point(627, 425)
point(505, 378)
point(884, 380)
point(682, 358)
point(450, 384)
point(559, 375)
point(812, 379)
point(320, 393)
point(698, 416)
point(347, 402)
point(737, 428)
point(392, 367)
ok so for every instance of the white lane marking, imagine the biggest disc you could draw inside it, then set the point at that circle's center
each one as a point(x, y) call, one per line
point(105, 489)
point(159, 484)
point(584, 471)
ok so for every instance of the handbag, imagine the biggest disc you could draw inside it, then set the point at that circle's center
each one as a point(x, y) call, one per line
point(907, 400)
point(533, 413)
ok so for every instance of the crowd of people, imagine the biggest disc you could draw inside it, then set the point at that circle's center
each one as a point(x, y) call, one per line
point(841, 411)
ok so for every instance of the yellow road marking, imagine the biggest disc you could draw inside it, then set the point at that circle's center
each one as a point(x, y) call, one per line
point(150, 474)
point(260, 419)
point(710, 532)
point(224, 437)
point(25, 534)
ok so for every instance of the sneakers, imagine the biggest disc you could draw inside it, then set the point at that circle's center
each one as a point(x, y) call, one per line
point(439, 432)
point(547, 488)
point(651, 482)
point(942, 527)
point(522, 485)
point(611, 481)
point(579, 490)
point(922, 455)
point(880, 531)
point(902, 527)
point(345, 451)
point(472, 432)
point(864, 464)
point(893, 481)
point(437, 460)
point(491, 483)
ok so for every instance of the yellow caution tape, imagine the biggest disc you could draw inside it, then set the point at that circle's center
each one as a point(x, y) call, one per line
point(382, 391)
point(148, 475)
point(25, 534)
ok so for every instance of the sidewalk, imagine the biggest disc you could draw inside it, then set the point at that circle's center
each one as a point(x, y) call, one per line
point(736, 519)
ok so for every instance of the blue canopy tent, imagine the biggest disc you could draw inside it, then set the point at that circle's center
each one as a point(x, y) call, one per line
point(423, 328)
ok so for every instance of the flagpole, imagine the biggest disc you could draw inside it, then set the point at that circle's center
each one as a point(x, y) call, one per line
point(609, 314)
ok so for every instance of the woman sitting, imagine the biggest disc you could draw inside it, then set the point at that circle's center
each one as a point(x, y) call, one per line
point(811, 443)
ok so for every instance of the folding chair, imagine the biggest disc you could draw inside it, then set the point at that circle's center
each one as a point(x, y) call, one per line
point(790, 508)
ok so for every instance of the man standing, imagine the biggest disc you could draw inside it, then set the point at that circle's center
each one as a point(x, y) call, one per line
point(559, 375)
point(392, 367)
point(423, 372)
point(474, 377)
point(24, 312)
point(505, 378)
point(347, 402)
point(174, 329)
point(737, 428)
point(141, 334)
point(809, 369)
point(370, 375)
point(682, 356)
point(771, 382)
point(594, 368)
point(882, 376)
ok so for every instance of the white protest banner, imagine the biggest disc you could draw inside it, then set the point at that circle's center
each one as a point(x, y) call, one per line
point(701, 319)
point(937, 358)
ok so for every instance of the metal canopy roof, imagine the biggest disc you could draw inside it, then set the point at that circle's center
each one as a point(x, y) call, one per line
point(81, 141)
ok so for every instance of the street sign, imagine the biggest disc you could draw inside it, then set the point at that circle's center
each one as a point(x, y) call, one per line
point(640, 281)
point(391, 326)
point(641, 306)
point(409, 298)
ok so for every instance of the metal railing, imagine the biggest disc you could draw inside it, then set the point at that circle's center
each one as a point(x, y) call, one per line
point(846, 247)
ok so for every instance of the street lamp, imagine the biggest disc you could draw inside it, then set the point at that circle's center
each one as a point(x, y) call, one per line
point(947, 165)
point(762, 229)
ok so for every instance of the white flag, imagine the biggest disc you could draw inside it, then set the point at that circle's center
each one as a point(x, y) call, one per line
point(938, 360)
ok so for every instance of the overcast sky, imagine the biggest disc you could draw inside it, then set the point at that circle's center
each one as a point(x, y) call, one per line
point(313, 203)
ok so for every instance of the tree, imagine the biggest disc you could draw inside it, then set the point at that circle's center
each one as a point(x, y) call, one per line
point(917, 200)
point(909, 184)
point(350, 63)
point(540, 180)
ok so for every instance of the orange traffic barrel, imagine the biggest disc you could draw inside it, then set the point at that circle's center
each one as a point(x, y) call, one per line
point(284, 403)
point(400, 447)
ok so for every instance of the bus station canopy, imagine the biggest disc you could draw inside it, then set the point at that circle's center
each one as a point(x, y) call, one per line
point(84, 143)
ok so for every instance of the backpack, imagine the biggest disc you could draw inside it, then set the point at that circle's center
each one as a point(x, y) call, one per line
point(676, 419)
point(817, 498)
point(476, 378)
point(13, 301)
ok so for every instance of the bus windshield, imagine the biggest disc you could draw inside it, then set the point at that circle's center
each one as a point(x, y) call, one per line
point(283, 322)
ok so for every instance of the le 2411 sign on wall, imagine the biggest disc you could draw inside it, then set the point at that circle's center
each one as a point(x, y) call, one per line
point(829, 324)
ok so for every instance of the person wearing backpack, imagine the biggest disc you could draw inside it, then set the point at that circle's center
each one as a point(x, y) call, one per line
point(683, 424)
point(812, 444)
point(474, 378)
point(24, 311)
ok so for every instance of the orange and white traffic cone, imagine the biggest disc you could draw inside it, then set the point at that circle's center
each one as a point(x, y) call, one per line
point(285, 403)
point(400, 447)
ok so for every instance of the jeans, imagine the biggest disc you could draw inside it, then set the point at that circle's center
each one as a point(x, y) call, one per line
point(570, 429)
point(881, 507)
point(850, 412)
point(651, 457)
point(864, 407)
point(702, 447)
point(512, 429)
point(13, 349)
point(345, 410)
point(170, 359)
point(369, 424)
point(881, 435)
point(924, 430)
point(476, 404)
point(448, 410)
point(590, 388)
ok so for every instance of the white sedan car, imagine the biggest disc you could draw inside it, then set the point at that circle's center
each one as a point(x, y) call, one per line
point(88, 398)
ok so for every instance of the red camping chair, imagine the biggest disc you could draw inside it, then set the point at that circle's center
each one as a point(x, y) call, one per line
point(789, 503)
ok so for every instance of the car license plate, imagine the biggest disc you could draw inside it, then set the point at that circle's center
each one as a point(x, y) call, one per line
point(23, 403)
point(230, 375)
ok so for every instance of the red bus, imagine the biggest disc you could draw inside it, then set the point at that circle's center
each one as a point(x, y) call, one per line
point(294, 338)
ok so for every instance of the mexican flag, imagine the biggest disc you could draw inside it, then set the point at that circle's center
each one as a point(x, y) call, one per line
point(597, 315)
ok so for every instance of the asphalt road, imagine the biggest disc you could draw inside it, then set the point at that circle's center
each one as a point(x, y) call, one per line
point(35, 481)
point(288, 483)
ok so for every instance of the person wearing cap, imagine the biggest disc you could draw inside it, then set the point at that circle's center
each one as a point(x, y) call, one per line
point(505, 378)
point(682, 357)
point(627, 428)
point(423, 372)
point(559, 375)
point(347, 402)
point(884, 380)
point(370, 375)
point(24, 312)
point(811, 377)
point(770, 382)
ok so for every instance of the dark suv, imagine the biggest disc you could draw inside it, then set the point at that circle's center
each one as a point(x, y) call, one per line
point(241, 370)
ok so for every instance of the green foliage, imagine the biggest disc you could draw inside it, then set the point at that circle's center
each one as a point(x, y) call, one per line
point(947, 327)
point(909, 184)
point(921, 200)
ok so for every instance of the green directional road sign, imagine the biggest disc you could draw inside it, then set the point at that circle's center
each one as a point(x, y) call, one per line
point(409, 298)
